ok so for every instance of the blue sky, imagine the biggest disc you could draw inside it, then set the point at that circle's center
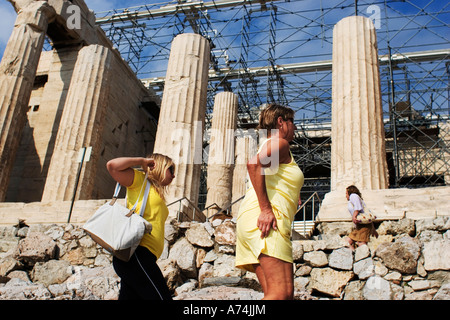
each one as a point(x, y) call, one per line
point(101, 5)
point(6, 23)
point(303, 36)
point(9, 15)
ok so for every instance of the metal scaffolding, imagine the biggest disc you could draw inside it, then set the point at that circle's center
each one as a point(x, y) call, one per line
point(267, 51)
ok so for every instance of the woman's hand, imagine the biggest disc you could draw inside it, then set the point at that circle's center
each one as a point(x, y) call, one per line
point(266, 221)
point(355, 214)
point(148, 163)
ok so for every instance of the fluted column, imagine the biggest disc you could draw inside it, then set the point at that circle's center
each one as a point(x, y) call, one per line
point(221, 150)
point(17, 72)
point(358, 153)
point(182, 115)
point(246, 148)
point(81, 125)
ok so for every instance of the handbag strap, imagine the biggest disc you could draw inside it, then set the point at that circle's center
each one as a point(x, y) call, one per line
point(364, 206)
point(144, 200)
point(116, 191)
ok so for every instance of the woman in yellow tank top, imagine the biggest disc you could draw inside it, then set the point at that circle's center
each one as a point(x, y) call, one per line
point(267, 211)
point(141, 277)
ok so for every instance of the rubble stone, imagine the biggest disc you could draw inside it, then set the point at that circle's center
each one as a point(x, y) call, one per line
point(341, 259)
point(402, 255)
point(330, 281)
point(195, 271)
point(197, 235)
point(437, 255)
point(36, 247)
point(377, 288)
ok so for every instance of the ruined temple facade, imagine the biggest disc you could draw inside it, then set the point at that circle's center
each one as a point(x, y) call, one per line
point(82, 98)
point(81, 101)
point(54, 103)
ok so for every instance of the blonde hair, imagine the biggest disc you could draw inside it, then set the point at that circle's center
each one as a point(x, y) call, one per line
point(157, 175)
point(269, 116)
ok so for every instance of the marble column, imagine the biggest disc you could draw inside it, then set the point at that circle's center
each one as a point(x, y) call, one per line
point(246, 148)
point(17, 72)
point(358, 153)
point(81, 125)
point(221, 151)
point(182, 115)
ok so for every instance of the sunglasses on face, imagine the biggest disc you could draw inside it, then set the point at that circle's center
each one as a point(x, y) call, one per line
point(172, 170)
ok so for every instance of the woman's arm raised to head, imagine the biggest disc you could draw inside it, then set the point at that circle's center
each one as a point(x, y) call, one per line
point(121, 170)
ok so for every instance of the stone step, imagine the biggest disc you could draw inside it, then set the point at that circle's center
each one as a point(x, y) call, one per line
point(304, 228)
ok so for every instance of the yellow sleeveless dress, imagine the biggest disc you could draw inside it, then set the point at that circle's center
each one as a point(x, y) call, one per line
point(283, 187)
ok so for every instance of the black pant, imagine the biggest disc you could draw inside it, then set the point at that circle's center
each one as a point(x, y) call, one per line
point(141, 277)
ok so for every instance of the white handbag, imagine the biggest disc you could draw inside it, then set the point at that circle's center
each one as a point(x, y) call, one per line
point(118, 229)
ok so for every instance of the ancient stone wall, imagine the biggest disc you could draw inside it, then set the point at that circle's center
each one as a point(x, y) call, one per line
point(35, 151)
point(408, 261)
point(127, 128)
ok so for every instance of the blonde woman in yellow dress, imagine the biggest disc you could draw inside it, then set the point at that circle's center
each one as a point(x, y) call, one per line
point(268, 208)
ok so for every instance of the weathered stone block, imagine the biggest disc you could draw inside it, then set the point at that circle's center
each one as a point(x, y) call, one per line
point(226, 233)
point(316, 258)
point(51, 272)
point(341, 259)
point(37, 247)
point(198, 235)
point(364, 268)
point(401, 255)
point(184, 253)
point(377, 288)
point(330, 281)
point(436, 255)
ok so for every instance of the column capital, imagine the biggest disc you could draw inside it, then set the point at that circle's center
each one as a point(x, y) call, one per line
point(37, 14)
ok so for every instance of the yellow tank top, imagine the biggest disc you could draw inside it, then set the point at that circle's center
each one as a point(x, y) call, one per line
point(156, 213)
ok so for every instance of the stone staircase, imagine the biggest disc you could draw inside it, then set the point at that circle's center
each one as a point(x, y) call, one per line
point(304, 228)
